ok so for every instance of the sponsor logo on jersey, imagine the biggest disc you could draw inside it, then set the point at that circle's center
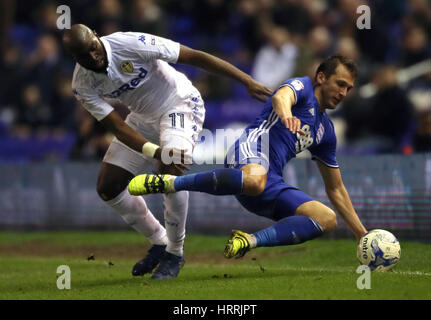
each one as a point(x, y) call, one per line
point(142, 39)
point(304, 141)
point(153, 40)
point(298, 85)
point(320, 133)
point(127, 66)
point(128, 86)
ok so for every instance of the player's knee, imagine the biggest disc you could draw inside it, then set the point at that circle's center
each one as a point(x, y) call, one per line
point(254, 185)
point(329, 220)
point(109, 190)
point(104, 191)
point(254, 179)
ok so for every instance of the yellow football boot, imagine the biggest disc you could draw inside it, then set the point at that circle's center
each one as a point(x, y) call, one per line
point(151, 183)
point(238, 245)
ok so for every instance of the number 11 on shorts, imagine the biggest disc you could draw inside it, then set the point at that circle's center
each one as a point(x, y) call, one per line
point(174, 116)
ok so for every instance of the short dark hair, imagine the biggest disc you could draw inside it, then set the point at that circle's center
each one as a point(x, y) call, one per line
point(329, 65)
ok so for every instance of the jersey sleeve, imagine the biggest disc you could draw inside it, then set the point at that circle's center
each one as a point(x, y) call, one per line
point(325, 152)
point(89, 99)
point(301, 87)
point(150, 47)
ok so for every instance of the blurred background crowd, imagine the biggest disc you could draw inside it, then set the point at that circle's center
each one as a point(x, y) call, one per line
point(389, 111)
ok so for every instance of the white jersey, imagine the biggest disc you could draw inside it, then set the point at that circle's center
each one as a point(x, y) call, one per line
point(138, 74)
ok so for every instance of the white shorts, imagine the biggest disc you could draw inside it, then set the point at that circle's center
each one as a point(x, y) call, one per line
point(177, 128)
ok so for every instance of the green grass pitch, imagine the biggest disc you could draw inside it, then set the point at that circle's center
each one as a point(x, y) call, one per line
point(101, 262)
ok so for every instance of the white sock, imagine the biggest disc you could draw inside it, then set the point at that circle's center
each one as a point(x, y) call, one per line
point(136, 214)
point(176, 208)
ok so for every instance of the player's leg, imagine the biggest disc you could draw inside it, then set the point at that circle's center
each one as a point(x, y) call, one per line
point(320, 213)
point(179, 129)
point(175, 214)
point(246, 174)
point(111, 187)
point(300, 219)
point(310, 221)
point(249, 180)
point(119, 166)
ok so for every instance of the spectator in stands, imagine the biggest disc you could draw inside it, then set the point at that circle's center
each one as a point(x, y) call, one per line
point(111, 11)
point(11, 69)
point(148, 16)
point(293, 15)
point(422, 138)
point(43, 65)
point(47, 16)
point(248, 17)
point(317, 45)
point(92, 139)
point(276, 60)
point(416, 46)
point(392, 119)
point(348, 47)
point(34, 114)
point(419, 14)
point(30, 53)
point(64, 105)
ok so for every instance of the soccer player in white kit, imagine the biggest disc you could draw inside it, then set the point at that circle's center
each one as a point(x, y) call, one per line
point(166, 114)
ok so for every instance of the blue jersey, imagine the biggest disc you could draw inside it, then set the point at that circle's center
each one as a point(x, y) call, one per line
point(319, 136)
point(269, 143)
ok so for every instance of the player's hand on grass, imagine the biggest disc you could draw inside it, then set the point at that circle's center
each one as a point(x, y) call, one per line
point(258, 90)
point(293, 124)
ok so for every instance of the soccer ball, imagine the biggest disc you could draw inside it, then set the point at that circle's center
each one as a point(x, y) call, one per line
point(379, 250)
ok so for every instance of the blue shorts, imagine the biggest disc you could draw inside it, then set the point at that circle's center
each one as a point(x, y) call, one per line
point(249, 150)
point(279, 199)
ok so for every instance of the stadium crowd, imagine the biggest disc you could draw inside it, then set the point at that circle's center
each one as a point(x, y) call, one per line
point(273, 40)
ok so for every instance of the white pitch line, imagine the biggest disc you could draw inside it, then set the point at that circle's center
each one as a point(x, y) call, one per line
point(322, 269)
point(413, 273)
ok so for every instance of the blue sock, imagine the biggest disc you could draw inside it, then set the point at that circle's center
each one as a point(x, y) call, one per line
point(290, 230)
point(217, 182)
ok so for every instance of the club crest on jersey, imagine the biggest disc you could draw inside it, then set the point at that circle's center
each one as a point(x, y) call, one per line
point(127, 66)
point(298, 85)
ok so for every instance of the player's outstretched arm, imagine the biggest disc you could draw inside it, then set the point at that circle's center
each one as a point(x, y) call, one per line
point(115, 124)
point(282, 102)
point(340, 199)
point(216, 65)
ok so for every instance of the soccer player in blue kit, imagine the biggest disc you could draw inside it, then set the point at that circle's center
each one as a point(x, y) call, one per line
point(293, 120)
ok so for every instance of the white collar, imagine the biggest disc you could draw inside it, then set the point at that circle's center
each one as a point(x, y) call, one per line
point(108, 52)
